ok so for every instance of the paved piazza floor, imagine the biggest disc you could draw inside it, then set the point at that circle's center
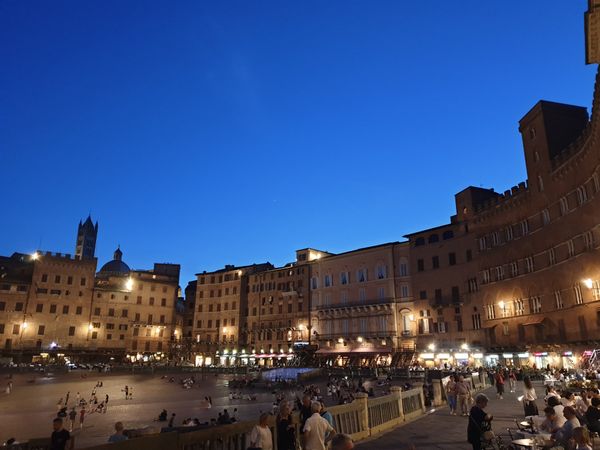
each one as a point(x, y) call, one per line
point(29, 410)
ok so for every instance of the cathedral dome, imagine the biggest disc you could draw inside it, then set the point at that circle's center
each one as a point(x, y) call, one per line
point(116, 267)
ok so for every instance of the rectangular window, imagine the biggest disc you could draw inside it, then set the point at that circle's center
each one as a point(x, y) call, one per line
point(149, 319)
point(529, 266)
point(362, 275)
point(96, 311)
point(19, 306)
point(564, 206)
point(435, 262)
point(535, 305)
point(16, 328)
point(69, 280)
point(314, 283)
point(381, 272)
point(469, 255)
point(344, 277)
point(589, 240)
point(558, 300)
point(151, 301)
point(455, 294)
point(524, 227)
point(452, 259)
point(57, 279)
point(82, 282)
point(519, 307)
point(94, 335)
point(41, 330)
point(578, 294)
point(438, 295)
point(423, 295)
point(79, 310)
point(381, 293)
point(509, 233)
point(500, 273)
point(71, 331)
point(571, 248)
point(65, 309)
point(403, 269)
point(39, 307)
point(52, 309)
point(485, 276)
point(490, 311)
point(163, 302)
point(545, 217)
point(327, 281)
point(420, 265)
point(514, 269)
point(472, 285)
point(551, 257)
point(362, 295)
point(2, 306)
point(404, 290)
point(44, 278)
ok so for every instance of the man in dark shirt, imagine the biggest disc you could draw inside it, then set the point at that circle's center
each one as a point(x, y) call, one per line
point(479, 421)
point(60, 439)
point(592, 415)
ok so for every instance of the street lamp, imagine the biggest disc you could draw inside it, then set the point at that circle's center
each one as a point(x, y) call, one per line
point(588, 283)
point(431, 346)
point(35, 256)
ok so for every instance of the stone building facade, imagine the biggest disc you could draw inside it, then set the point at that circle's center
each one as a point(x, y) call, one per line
point(361, 306)
point(54, 303)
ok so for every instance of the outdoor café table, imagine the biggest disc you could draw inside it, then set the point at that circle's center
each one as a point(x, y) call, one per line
point(530, 443)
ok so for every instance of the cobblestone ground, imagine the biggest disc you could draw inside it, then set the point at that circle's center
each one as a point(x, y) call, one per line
point(439, 430)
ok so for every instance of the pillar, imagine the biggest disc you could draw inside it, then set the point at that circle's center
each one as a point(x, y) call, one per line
point(362, 399)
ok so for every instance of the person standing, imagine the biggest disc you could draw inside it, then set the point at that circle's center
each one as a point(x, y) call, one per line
point(529, 398)
point(286, 435)
point(81, 417)
point(451, 394)
point(260, 436)
point(60, 438)
point(317, 431)
point(499, 384)
point(119, 436)
point(72, 417)
point(479, 421)
point(463, 392)
point(512, 380)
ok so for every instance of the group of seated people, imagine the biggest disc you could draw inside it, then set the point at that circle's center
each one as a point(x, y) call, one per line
point(567, 416)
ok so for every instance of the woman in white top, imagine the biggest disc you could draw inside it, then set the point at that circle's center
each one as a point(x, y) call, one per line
point(529, 398)
point(260, 436)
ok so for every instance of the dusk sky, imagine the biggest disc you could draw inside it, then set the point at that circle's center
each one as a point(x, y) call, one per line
point(212, 133)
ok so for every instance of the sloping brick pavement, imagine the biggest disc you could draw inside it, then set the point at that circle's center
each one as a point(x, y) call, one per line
point(439, 430)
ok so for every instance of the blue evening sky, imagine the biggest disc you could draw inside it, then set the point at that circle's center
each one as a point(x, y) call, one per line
point(208, 133)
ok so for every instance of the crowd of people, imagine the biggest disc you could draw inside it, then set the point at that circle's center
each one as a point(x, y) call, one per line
point(568, 419)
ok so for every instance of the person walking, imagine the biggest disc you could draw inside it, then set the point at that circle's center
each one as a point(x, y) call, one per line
point(317, 431)
point(72, 417)
point(499, 384)
point(479, 421)
point(260, 436)
point(529, 397)
point(512, 380)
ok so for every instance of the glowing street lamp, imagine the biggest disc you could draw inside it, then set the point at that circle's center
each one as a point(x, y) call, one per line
point(588, 283)
point(129, 284)
point(35, 256)
point(431, 346)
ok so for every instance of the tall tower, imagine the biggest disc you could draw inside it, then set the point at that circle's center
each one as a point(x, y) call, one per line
point(85, 247)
